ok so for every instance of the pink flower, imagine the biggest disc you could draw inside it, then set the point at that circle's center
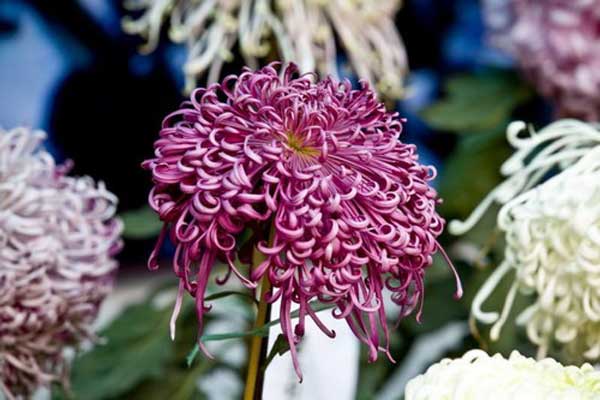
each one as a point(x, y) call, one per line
point(351, 209)
point(58, 236)
point(557, 44)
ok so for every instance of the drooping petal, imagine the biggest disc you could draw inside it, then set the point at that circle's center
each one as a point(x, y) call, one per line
point(350, 207)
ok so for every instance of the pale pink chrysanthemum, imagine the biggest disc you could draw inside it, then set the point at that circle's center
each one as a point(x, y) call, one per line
point(351, 209)
point(58, 236)
point(557, 44)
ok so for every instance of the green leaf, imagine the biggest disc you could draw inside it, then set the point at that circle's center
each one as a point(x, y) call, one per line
point(370, 378)
point(176, 384)
point(280, 347)
point(262, 331)
point(439, 308)
point(477, 102)
point(142, 223)
point(227, 293)
point(137, 348)
point(471, 171)
point(244, 237)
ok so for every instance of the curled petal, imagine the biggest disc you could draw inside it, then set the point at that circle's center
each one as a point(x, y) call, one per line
point(351, 210)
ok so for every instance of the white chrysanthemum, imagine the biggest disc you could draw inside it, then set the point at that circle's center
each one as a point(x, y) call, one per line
point(477, 376)
point(304, 32)
point(58, 236)
point(552, 238)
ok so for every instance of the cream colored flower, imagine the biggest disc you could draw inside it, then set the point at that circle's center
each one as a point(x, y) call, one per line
point(303, 31)
point(552, 232)
point(477, 376)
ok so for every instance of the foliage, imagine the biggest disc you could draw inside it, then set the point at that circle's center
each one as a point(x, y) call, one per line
point(142, 223)
point(476, 103)
point(262, 331)
point(137, 348)
point(471, 171)
point(138, 360)
point(478, 108)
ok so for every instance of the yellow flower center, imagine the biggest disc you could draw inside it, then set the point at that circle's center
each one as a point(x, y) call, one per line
point(297, 145)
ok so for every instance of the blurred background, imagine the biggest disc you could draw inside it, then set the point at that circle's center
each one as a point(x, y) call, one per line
point(68, 68)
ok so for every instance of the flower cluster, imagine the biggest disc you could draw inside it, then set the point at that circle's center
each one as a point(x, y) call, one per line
point(476, 376)
point(303, 31)
point(552, 234)
point(557, 44)
point(57, 241)
point(351, 209)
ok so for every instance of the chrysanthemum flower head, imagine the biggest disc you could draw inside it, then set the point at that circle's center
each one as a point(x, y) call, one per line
point(351, 209)
point(552, 237)
point(476, 375)
point(557, 44)
point(302, 31)
point(58, 236)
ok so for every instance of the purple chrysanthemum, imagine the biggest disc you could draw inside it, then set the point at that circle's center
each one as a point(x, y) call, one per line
point(58, 236)
point(351, 209)
point(557, 44)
